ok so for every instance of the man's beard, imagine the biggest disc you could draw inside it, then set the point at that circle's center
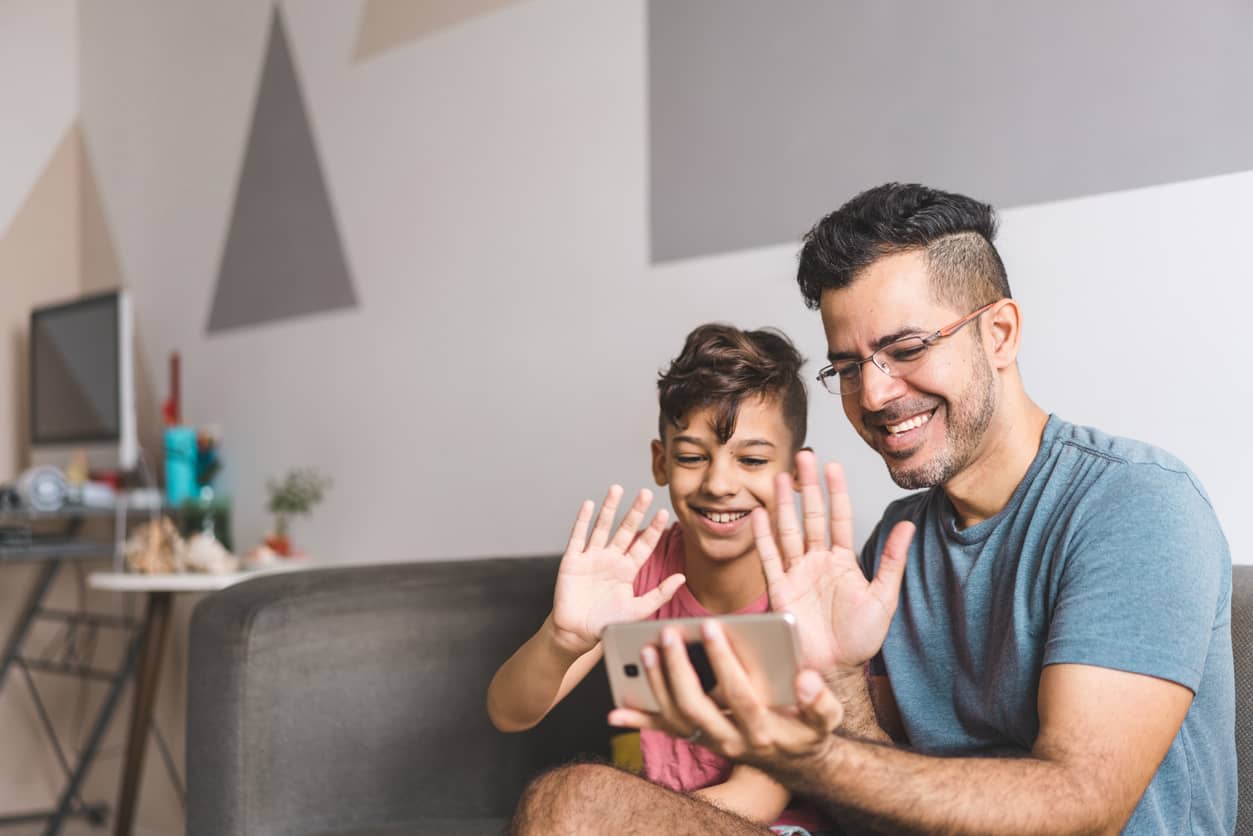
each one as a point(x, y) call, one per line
point(963, 430)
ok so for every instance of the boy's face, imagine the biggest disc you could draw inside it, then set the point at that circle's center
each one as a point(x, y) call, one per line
point(713, 486)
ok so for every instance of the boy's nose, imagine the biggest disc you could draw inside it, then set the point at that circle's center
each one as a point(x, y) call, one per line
point(719, 479)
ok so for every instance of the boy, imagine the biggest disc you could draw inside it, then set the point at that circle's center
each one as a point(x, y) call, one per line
point(732, 416)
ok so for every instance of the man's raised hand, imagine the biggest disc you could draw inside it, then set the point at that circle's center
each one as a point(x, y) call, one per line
point(812, 571)
point(595, 583)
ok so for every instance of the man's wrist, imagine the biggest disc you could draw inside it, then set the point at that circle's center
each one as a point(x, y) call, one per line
point(803, 771)
point(846, 681)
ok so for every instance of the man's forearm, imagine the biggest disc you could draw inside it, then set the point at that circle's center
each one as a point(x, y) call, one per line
point(886, 789)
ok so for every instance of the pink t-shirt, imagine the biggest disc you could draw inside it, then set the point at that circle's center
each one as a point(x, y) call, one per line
point(672, 762)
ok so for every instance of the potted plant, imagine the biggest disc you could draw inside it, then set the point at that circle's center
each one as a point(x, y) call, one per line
point(294, 495)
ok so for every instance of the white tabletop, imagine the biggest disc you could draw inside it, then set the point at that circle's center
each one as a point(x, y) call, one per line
point(176, 582)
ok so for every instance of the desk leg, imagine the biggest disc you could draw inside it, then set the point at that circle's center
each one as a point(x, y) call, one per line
point(13, 647)
point(146, 677)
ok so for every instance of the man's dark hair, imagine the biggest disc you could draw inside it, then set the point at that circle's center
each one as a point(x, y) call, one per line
point(955, 232)
point(720, 366)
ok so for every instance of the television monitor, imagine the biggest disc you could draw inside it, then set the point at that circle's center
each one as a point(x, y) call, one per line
point(82, 392)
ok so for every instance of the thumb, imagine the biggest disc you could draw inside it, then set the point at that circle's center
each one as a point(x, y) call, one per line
point(886, 585)
point(651, 601)
point(818, 706)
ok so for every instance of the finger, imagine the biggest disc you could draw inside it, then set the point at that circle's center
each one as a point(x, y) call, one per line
point(767, 551)
point(791, 542)
point(629, 718)
point(812, 512)
point(600, 533)
point(841, 507)
point(667, 718)
point(818, 705)
point(749, 710)
point(631, 521)
point(689, 701)
point(886, 585)
point(578, 534)
point(651, 601)
point(648, 539)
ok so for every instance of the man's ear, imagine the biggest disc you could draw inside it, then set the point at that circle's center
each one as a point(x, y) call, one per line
point(1002, 332)
point(659, 462)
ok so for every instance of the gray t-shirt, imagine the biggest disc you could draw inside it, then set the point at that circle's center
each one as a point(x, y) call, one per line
point(1107, 554)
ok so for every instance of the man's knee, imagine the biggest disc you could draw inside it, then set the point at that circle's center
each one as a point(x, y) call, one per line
point(565, 799)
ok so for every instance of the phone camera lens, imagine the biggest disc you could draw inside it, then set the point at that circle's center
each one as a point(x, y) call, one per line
point(631, 670)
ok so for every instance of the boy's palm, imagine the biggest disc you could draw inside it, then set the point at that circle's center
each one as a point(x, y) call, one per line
point(596, 579)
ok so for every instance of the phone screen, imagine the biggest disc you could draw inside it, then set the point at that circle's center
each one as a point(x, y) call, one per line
point(700, 663)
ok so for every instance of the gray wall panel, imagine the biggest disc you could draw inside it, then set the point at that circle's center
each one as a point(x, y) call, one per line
point(764, 116)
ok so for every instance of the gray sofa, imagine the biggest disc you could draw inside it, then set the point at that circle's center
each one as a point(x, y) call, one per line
point(350, 701)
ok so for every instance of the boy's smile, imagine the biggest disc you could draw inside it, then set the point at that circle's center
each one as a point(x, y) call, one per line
point(714, 486)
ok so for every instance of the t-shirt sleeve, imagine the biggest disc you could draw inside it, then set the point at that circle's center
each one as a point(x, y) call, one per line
point(1145, 571)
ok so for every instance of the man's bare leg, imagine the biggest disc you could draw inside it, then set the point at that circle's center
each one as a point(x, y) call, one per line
point(589, 798)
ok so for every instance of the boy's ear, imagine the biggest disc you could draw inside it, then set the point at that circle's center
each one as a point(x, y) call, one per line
point(796, 485)
point(659, 463)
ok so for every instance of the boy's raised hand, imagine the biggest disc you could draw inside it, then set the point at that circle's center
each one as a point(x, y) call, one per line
point(595, 583)
point(842, 619)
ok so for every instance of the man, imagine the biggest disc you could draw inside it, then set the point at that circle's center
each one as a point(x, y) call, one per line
point(1049, 652)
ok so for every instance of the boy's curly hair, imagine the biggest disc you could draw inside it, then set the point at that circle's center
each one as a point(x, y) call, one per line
point(720, 366)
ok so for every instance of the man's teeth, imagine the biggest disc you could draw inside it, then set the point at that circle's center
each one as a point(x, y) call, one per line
point(724, 516)
point(916, 421)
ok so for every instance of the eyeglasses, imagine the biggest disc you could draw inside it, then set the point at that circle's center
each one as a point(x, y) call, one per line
point(896, 359)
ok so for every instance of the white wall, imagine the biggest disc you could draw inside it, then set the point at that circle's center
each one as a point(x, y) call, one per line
point(489, 183)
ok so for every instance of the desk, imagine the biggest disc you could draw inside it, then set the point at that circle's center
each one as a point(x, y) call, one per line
point(160, 590)
point(52, 553)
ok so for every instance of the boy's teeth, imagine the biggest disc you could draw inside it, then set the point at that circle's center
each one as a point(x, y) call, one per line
point(916, 421)
point(724, 516)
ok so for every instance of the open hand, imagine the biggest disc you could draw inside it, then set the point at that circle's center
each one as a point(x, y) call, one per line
point(595, 583)
point(841, 617)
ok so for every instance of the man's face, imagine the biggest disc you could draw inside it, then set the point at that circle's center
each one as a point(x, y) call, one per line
point(714, 486)
point(929, 425)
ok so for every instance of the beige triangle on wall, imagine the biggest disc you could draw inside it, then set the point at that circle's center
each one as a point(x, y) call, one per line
point(386, 24)
point(40, 255)
point(99, 264)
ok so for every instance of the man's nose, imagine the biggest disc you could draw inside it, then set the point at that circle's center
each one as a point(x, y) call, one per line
point(878, 388)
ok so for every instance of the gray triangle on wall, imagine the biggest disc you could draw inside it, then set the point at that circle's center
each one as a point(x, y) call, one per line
point(283, 256)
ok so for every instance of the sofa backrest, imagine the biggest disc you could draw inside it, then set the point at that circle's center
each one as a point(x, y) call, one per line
point(1242, 649)
point(337, 698)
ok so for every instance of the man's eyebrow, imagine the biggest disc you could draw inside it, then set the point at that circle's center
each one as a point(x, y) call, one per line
point(755, 442)
point(690, 439)
point(886, 339)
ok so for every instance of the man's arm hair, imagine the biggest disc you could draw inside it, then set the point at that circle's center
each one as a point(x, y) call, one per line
point(1103, 733)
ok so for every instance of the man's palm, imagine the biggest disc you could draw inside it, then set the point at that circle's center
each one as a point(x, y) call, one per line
point(841, 617)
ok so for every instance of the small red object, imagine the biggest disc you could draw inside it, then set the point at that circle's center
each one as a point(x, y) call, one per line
point(171, 410)
point(279, 545)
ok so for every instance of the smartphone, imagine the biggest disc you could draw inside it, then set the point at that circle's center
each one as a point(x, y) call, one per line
point(765, 643)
